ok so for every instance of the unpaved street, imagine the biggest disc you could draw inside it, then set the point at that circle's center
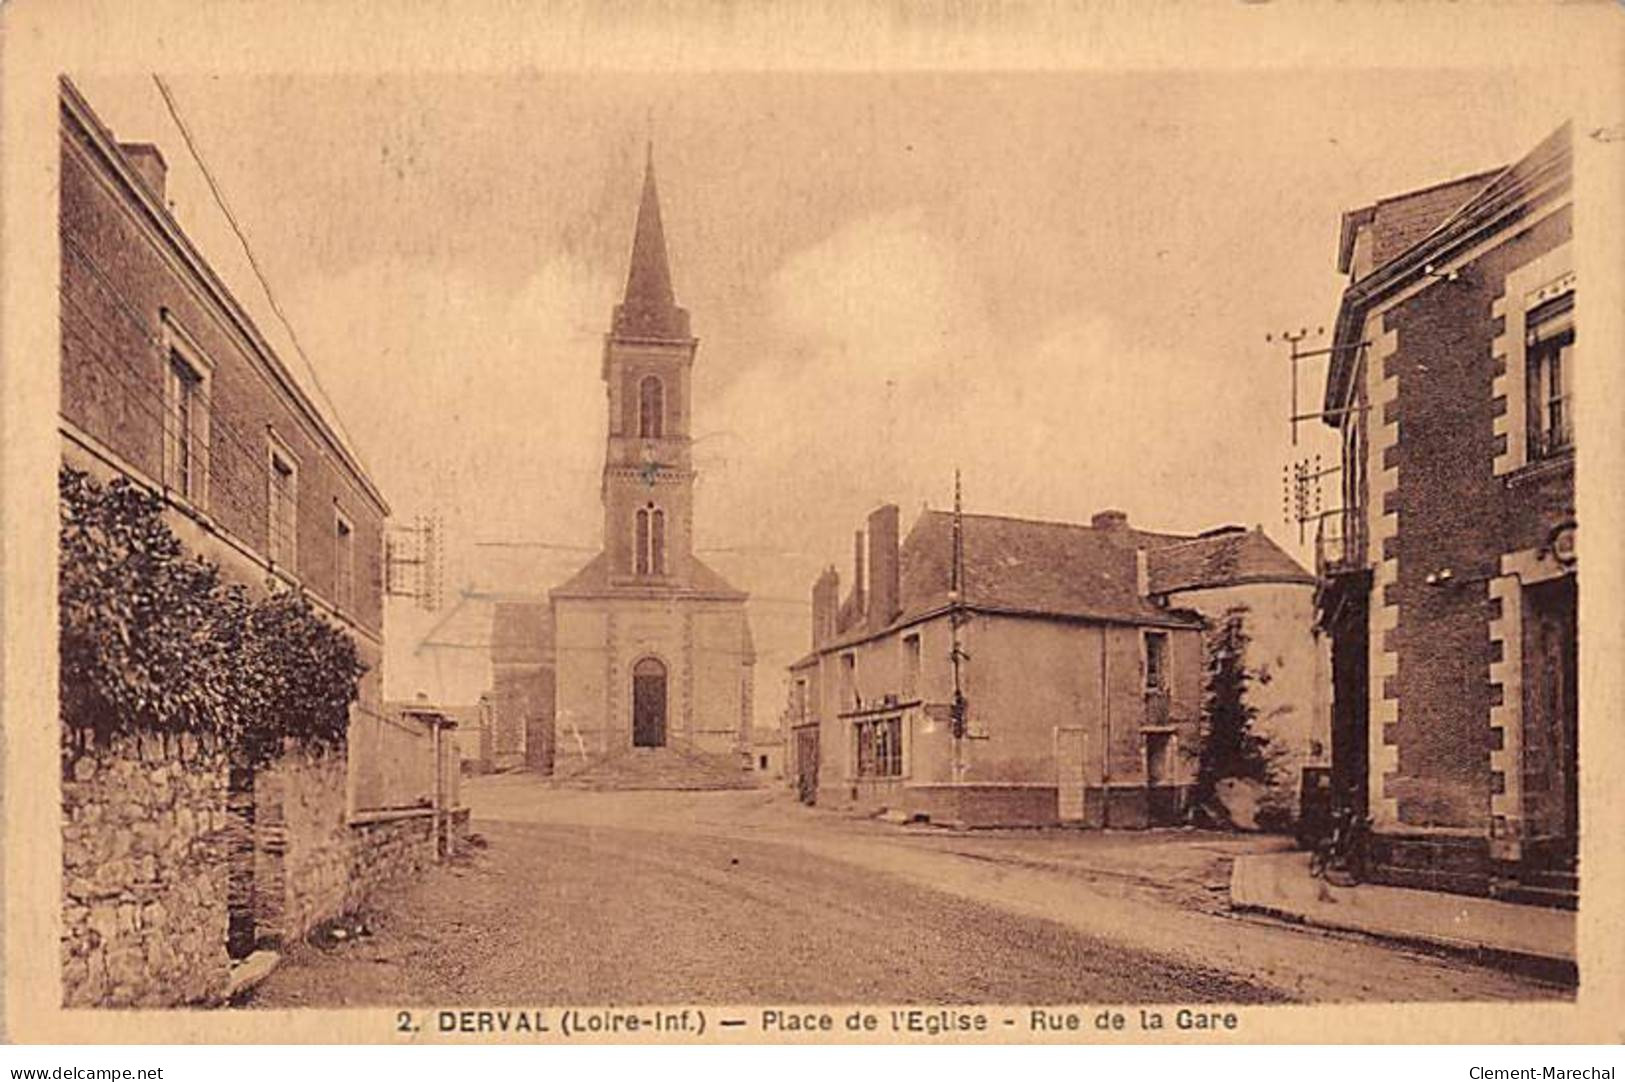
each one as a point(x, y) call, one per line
point(744, 897)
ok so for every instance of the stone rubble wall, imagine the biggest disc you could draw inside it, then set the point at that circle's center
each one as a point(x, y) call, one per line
point(144, 872)
point(303, 828)
point(388, 849)
point(331, 864)
point(145, 860)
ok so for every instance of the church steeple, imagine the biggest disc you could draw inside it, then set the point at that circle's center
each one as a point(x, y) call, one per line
point(649, 309)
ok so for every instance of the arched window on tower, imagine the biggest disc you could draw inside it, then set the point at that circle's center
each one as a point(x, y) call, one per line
point(651, 408)
point(649, 542)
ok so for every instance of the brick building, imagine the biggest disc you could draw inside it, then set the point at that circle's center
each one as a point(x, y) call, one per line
point(1449, 579)
point(167, 381)
point(652, 648)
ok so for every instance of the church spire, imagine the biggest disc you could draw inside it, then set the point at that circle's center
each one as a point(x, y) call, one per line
point(649, 309)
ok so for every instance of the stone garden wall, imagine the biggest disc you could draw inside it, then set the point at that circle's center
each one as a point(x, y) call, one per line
point(329, 862)
point(146, 855)
point(143, 872)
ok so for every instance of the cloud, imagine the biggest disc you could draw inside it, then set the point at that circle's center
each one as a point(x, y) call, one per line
point(468, 396)
point(476, 400)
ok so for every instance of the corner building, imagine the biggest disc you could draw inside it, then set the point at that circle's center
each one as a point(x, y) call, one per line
point(1450, 582)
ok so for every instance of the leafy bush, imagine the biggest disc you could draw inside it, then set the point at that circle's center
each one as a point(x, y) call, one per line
point(152, 640)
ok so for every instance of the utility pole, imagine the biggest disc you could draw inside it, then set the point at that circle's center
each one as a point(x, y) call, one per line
point(1294, 357)
point(1301, 500)
point(414, 561)
point(956, 617)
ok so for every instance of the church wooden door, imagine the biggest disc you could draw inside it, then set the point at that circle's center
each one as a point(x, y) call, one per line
point(648, 704)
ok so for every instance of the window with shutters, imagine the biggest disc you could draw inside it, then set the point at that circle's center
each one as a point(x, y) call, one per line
point(186, 415)
point(282, 507)
point(911, 667)
point(1549, 377)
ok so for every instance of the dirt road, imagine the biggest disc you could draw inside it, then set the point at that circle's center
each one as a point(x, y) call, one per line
point(743, 897)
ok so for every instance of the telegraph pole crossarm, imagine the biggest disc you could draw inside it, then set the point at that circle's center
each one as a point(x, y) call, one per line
point(1295, 357)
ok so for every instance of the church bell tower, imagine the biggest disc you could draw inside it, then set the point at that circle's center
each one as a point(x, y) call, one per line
point(648, 480)
point(653, 647)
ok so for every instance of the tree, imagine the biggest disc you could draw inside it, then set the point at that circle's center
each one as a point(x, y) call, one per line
point(1230, 748)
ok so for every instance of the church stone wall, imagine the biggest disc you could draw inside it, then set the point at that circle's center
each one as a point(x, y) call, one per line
point(581, 635)
point(719, 679)
point(599, 640)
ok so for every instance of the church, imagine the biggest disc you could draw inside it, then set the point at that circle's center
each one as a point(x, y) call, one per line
point(653, 648)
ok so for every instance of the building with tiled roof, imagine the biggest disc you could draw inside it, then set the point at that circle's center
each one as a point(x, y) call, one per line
point(1234, 572)
point(1228, 556)
point(1080, 691)
point(1450, 574)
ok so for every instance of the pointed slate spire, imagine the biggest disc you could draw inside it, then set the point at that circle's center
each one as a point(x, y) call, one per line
point(649, 309)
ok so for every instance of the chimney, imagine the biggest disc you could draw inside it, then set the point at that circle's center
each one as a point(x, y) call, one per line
point(148, 162)
point(1112, 520)
point(859, 606)
point(826, 603)
point(883, 567)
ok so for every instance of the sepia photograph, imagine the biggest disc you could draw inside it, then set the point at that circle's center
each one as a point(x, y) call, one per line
point(994, 552)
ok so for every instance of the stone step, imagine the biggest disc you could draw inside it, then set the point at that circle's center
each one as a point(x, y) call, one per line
point(1544, 896)
point(1551, 880)
point(657, 768)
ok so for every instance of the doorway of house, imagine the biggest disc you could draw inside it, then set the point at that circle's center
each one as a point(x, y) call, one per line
point(807, 764)
point(1161, 777)
point(1069, 768)
point(648, 704)
point(1551, 761)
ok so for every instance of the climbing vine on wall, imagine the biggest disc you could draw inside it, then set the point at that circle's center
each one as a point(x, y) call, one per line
point(152, 640)
point(1230, 747)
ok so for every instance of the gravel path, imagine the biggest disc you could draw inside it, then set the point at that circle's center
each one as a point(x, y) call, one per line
point(564, 915)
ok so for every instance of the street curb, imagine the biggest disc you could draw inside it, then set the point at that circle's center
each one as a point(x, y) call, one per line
point(1552, 970)
point(1248, 894)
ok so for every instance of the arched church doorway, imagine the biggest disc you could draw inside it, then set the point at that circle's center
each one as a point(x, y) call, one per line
point(648, 704)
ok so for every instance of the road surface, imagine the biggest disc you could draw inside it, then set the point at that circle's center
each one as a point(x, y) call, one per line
point(745, 897)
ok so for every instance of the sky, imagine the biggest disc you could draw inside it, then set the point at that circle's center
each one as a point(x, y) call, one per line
point(1058, 283)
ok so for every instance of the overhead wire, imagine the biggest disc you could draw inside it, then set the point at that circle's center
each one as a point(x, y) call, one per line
point(253, 261)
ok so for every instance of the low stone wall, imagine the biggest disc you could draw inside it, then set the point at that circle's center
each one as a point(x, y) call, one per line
point(303, 860)
point(330, 861)
point(1456, 864)
point(387, 846)
point(146, 860)
point(143, 872)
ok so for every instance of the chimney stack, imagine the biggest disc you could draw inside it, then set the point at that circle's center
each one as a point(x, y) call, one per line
point(859, 602)
point(884, 585)
point(1112, 520)
point(826, 604)
point(148, 162)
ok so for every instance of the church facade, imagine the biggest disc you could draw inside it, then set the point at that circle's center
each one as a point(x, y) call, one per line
point(653, 648)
